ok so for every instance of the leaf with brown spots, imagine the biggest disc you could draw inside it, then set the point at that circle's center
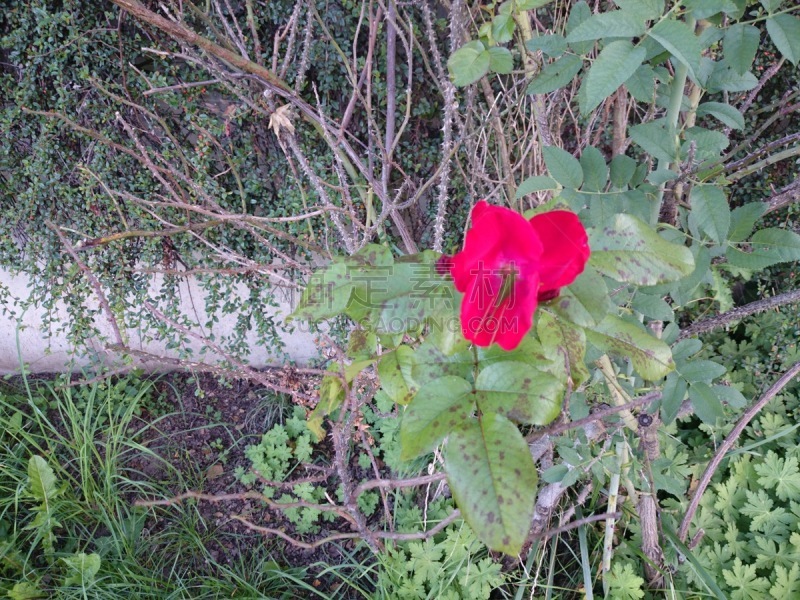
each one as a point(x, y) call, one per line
point(631, 251)
point(394, 371)
point(651, 357)
point(439, 407)
point(566, 344)
point(493, 480)
point(520, 392)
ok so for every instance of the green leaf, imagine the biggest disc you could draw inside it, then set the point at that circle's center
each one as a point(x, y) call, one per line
point(653, 307)
point(724, 112)
point(630, 251)
point(744, 218)
point(616, 63)
point(595, 170)
point(782, 475)
point(740, 45)
point(330, 290)
point(469, 63)
point(493, 480)
point(708, 144)
point(580, 12)
point(431, 363)
point(615, 23)
point(680, 41)
point(520, 393)
point(624, 583)
point(656, 139)
point(565, 168)
point(552, 45)
point(771, 5)
point(42, 481)
point(646, 10)
point(672, 396)
point(785, 33)
point(700, 371)
point(394, 371)
point(725, 79)
point(503, 28)
point(710, 213)
point(556, 75)
point(769, 247)
point(26, 591)
point(787, 582)
point(565, 343)
point(621, 170)
point(362, 344)
point(83, 568)
point(500, 60)
point(702, 9)
point(651, 357)
point(438, 408)
point(642, 84)
point(536, 183)
point(532, 4)
point(706, 403)
point(585, 302)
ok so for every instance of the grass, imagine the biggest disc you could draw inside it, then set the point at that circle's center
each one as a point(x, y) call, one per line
point(82, 509)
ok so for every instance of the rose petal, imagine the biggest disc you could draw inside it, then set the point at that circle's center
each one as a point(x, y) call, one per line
point(566, 248)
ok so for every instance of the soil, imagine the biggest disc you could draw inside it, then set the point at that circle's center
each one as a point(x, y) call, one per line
point(203, 438)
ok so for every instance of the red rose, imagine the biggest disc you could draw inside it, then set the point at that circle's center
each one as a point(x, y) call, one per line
point(508, 264)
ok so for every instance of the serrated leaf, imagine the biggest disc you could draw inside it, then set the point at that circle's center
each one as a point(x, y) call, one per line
point(585, 302)
point(696, 371)
point(565, 344)
point(469, 63)
point(780, 474)
point(630, 251)
point(710, 212)
point(565, 168)
point(784, 30)
point(771, 5)
point(500, 60)
point(740, 45)
point(552, 44)
point(708, 144)
point(651, 357)
point(706, 404)
point(725, 79)
point(84, 567)
point(42, 481)
point(743, 219)
point(621, 170)
point(503, 28)
point(536, 183)
point(595, 170)
point(26, 591)
point(768, 247)
point(394, 370)
point(702, 9)
point(520, 393)
point(493, 480)
point(556, 75)
point(437, 409)
point(653, 307)
point(615, 64)
point(579, 13)
point(656, 138)
point(430, 363)
point(615, 23)
point(672, 396)
point(644, 9)
point(680, 41)
point(642, 84)
point(330, 290)
point(726, 113)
